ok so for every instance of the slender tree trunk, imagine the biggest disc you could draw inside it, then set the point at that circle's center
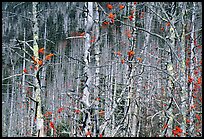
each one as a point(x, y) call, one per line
point(191, 99)
point(97, 71)
point(39, 117)
point(23, 88)
point(88, 74)
point(10, 129)
point(184, 95)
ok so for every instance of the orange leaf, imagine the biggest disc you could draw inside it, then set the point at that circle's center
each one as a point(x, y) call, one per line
point(48, 57)
point(168, 24)
point(25, 70)
point(40, 62)
point(119, 53)
point(199, 80)
point(105, 23)
point(41, 50)
point(139, 59)
point(121, 6)
point(165, 126)
point(122, 61)
point(131, 53)
point(34, 59)
point(111, 16)
point(128, 33)
point(109, 6)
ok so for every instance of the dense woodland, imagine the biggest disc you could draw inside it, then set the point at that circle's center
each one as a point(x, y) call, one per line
point(102, 69)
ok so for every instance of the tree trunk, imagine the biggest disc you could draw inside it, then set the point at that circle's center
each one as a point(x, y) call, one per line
point(39, 117)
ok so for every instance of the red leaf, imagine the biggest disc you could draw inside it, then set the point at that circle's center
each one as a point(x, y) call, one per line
point(82, 34)
point(196, 72)
point(51, 125)
point(135, 3)
point(77, 111)
point(190, 79)
point(31, 66)
point(162, 29)
point(88, 133)
point(93, 39)
point(188, 121)
point(100, 135)
point(179, 129)
point(199, 46)
point(109, 6)
point(97, 98)
point(41, 50)
point(25, 70)
point(197, 116)
point(195, 42)
point(60, 110)
point(193, 106)
point(131, 17)
point(187, 62)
